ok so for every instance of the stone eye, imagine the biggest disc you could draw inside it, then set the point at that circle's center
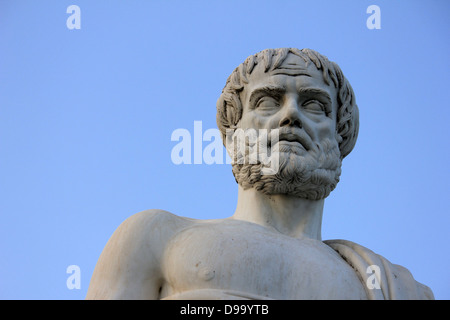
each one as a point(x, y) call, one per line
point(267, 103)
point(314, 106)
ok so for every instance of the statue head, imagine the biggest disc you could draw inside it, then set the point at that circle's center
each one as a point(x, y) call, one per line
point(310, 103)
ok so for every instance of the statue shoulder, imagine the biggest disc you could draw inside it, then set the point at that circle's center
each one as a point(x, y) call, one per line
point(381, 278)
point(155, 219)
point(133, 256)
point(152, 227)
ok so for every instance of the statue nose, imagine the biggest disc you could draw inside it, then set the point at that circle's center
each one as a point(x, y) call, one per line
point(291, 117)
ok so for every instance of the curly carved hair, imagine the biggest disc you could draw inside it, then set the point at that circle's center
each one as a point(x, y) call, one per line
point(229, 106)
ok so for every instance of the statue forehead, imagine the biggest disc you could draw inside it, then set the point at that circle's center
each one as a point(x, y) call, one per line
point(293, 68)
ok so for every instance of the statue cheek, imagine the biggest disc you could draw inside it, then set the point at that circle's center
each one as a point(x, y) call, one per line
point(259, 122)
point(326, 129)
point(255, 121)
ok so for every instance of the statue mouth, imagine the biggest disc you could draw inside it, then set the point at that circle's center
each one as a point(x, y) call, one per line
point(295, 137)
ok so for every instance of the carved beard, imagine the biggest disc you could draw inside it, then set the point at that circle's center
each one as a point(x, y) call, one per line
point(311, 174)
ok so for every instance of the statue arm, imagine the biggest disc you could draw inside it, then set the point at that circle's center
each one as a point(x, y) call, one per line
point(130, 265)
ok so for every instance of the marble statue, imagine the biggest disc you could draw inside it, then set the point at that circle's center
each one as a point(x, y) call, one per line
point(271, 247)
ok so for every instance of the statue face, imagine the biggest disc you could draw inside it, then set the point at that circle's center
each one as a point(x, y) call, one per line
point(294, 99)
point(292, 96)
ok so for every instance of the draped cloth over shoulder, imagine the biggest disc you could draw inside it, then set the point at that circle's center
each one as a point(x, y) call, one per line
point(395, 281)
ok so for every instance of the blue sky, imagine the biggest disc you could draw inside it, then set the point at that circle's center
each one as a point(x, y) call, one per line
point(87, 117)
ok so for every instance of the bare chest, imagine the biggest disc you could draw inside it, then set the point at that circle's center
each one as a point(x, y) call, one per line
point(253, 261)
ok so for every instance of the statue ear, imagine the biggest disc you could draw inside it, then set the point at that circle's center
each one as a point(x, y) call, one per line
point(228, 141)
point(348, 127)
point(229, 112)
point(338, 138)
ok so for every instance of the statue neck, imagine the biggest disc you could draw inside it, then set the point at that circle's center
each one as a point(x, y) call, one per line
point(292, 216)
